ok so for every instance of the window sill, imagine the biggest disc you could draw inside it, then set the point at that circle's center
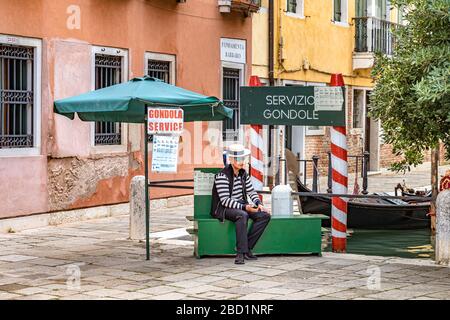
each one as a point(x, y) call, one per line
point(108, 150)
point(20, 152)
point(341, 24)
point(315, 133)
point(295, 15)
point(356, 130)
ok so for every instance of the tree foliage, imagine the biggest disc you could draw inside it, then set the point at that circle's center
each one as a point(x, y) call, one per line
point(412, 87)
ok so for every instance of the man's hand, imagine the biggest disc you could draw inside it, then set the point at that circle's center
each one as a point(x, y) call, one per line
point(262, 208)
point(249, 208)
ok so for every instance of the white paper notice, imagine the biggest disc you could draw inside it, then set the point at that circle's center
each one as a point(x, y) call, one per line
point(328, 98)
point(165, 153)
point(203, 183)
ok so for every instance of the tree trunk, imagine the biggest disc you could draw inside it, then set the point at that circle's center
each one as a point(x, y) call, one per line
point(434, 187)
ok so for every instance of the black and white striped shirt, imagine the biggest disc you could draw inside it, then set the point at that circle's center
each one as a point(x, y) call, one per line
point(223, 190)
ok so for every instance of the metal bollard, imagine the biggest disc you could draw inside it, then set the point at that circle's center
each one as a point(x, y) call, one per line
point(364, 171)
point(330, 179)
point(315, 160)
point(137, 208)
point(443, 228)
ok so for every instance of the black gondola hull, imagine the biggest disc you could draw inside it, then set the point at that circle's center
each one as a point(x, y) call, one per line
point(371, 215)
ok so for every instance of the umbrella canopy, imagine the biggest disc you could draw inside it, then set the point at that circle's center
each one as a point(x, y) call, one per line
point(125, 102)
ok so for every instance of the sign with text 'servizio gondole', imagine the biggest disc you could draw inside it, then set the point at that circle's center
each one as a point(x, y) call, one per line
point(311, 106)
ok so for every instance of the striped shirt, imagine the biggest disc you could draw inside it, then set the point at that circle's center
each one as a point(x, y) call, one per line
point(223, 190)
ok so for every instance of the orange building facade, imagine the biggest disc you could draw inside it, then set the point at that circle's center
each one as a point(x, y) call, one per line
point(55, 49)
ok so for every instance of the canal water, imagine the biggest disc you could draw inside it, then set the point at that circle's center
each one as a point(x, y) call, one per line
point(394, 243)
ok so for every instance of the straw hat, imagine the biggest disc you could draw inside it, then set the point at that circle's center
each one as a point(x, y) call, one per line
point(237, 150)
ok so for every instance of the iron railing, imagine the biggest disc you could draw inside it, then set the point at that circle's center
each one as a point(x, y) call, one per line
point(16, 96)
point(374, 35)
point(108, 72)
point(231, 84)
point(161, 70)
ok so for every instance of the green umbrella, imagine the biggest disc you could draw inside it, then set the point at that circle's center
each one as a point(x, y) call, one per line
point(125, 102)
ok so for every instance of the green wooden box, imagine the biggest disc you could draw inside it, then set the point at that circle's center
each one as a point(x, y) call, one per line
point(298, 234)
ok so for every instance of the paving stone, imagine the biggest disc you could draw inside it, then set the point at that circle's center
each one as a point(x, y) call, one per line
point(170, 296)
point(248, 277)
point(227, 283)
point(200, 289)
point(159, 290)
point(7, 295)
point(300, 296)
point(35, 263)
point(258, 296)
point(16, 257)
point(395, 295)
point(31, 290)
point(325, 290)
point(104, 292)
point(263, 284)
point(38, 297)
point(270, 272)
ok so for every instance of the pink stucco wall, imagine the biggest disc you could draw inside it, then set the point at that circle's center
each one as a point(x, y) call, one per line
point(67, 174)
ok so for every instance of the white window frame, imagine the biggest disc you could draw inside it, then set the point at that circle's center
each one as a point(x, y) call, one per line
point(162, 57)
point(300, 10)
point(123, 146)
point(37, 104)
point(241, 67)
point(344, 14)
point(364, 89)
point(364, 114)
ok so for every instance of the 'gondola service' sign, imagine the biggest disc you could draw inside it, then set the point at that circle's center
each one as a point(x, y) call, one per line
point(301, 106)
point(165, 120)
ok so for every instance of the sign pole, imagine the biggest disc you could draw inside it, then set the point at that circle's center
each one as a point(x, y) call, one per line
point(147, 200)
point(257, 146)
point(339, 172)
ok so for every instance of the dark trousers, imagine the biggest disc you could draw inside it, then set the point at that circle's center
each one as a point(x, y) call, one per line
point(244, 241)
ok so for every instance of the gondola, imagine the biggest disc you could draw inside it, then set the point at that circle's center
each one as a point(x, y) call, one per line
point(394, 214)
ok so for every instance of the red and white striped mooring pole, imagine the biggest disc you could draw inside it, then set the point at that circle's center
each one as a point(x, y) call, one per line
point(257, 146)
point(339, 167)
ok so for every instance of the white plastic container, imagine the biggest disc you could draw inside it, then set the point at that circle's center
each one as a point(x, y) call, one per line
point(282, 204)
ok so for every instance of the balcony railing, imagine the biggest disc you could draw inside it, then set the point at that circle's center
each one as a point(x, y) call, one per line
point(374, 35)
point(246, 6)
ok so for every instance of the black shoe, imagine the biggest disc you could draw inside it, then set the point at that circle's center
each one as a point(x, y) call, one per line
point(239, 259)
point(250, 256)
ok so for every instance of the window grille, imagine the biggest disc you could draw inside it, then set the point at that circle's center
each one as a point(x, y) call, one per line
point(337, 10)
point(292, 6)
point(108, 72)
point(231, 84)
point(159, 69)
point(16, 96)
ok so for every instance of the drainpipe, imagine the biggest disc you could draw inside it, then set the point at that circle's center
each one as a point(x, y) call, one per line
point(271, 42)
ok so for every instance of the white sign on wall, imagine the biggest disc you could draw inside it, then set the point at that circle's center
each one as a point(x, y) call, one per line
point(233, 50)
point(165, 153)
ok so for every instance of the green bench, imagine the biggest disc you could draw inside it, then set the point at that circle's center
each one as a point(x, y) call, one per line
point(297, 234)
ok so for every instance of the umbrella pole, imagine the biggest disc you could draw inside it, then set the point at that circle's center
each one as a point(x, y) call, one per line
point(147, 200)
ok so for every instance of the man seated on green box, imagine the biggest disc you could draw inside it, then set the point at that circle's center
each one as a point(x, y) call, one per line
point(231, 187)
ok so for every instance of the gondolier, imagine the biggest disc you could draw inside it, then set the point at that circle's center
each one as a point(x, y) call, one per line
point(232, 187)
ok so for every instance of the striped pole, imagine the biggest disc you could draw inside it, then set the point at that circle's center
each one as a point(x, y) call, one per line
point(339, 174)
point(257, 145)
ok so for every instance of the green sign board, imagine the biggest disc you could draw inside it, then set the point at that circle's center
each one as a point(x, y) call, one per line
point(300, 106)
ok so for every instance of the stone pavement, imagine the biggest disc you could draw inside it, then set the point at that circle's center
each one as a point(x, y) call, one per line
point(94, 260)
